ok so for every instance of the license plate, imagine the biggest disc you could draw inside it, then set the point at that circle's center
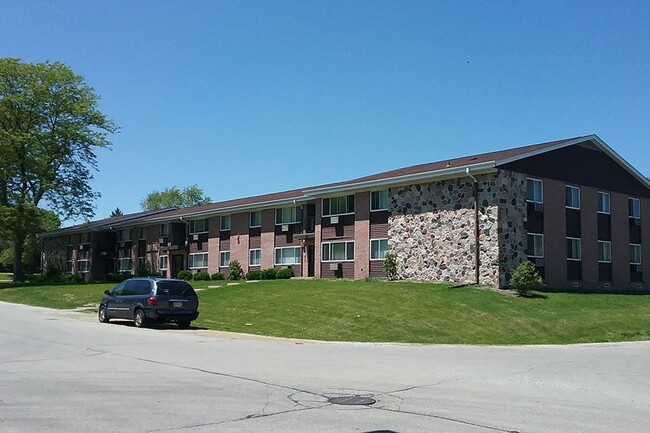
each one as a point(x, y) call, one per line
point(177, 304)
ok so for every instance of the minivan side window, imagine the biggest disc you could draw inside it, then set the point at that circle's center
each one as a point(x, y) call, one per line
point(143, 287)
point(117, 290)
point(129, 288)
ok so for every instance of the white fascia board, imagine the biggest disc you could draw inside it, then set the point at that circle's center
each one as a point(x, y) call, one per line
point(226, 210)
point(596, 141)
point(446, 173)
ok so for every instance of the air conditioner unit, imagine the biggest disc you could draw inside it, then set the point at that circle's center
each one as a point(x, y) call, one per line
point(334, 266)
point(285, 227)
point(81, 246)
point(195, 237)
point(162, 241)
point(334, 219)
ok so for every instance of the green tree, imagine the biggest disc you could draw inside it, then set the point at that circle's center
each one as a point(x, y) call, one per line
point(117, 212)
point(174, 197)
point(50, 127)
point(31, 259)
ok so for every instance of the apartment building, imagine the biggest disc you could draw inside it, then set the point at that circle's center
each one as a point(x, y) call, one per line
point(573, 207)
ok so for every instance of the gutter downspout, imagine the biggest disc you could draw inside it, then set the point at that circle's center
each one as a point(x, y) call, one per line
point(477, 251)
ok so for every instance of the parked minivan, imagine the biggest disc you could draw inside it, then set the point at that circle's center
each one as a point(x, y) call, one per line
point(146, 300)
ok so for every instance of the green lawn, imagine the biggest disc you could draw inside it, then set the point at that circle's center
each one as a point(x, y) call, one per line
point(5, 277)
point(392, 312)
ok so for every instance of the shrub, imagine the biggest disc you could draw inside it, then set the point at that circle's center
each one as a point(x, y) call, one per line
point(184, 275)
point(268, 274)
point(201, 276)
point(390, 266)
point(218, 276)
point(254, 275)
point(284, 274)
point(143, 271)
point(52, 274)
point(525, 279)
point(235, 272)
point(72, 278)
point(113, 277)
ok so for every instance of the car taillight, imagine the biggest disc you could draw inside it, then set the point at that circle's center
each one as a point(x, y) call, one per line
point(153, 301)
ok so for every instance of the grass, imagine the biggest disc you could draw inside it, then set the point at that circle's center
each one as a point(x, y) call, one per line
point(378, 311)
point(5, 277)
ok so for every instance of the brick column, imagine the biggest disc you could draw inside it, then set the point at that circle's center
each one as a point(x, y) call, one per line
point(620, 240)
point(317, 238)
point(268, 239)
point(239, 239)
point(213, 245)
point(362, 235)
point(555, 233)
point(589, 234)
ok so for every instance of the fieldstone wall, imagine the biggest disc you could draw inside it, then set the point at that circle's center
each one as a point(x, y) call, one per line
point(431, 228)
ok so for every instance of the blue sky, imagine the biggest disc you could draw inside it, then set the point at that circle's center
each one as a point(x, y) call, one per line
point(248, 97)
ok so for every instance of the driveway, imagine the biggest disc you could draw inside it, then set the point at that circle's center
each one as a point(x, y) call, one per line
point(65, 372)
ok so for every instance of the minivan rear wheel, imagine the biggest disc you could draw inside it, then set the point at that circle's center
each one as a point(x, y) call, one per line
point(140, 320)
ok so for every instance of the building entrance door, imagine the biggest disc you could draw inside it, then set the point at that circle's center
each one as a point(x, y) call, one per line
point(178, 263)
point(310, 260)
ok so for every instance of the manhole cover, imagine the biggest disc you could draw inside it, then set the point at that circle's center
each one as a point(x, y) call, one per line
point(352, 400)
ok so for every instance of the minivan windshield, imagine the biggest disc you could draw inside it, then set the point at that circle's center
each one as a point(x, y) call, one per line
point(175, 288)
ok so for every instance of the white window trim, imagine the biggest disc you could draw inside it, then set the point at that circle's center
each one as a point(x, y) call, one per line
point(87, 266)
point(199, 233)
point(207, 258)
point(221, 218)
point(322, 208)
point(160, 231)
point(287, 223)
point(579, 198)
point(379, 210)
point(580, 259)
point(354, 248)
point(640, 255)
point(249, 219)
point(370, 249)
point(166, 263)
point(249, 257)
point(628, 206)
point(541, 190)
point(608, 201)
point(121, 259)
point(610, 251)
point(275, 255)
point(543, 246)
point(220, 261)
point(140, 231)
point(128, 231)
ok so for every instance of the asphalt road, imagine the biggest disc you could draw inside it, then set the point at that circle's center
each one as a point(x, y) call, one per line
point(65, 372)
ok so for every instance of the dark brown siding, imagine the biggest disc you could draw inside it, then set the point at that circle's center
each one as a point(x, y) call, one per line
point(589, 223)
point(347, 267)
point(620, 240)
point(581, 166)
point(378, 225)
point(555, 262)
point(254, 242)
point(377, 269)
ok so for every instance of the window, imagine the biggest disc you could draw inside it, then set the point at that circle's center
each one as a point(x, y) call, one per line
point(572, 197)
point(142, 262)
point(69, 239)
point(635, 254)
point(199, 226)
point(256, 219)
point(224, 223)
point(83, 266)
point(83, 238)
point(573, 249)
point(338, 205)
point(198, 260)
point(287, 256)
point(603, 202)
point(164, 230)
point(379, 200)
point(604, 252)
point(534, 191)
point(224, 258)
point(124, 264)
point(535, 245)
point(142, 233)
point(254, 257)
point(287, 215)
point(124, 235)
point(338, 251)
point(378, 249)
point(162, 263)
point(69, 266)
point(635, 207)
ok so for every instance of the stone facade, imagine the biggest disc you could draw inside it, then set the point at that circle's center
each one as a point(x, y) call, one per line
point(432, 228)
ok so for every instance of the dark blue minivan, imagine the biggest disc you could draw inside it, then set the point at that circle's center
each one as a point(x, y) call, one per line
point(146, 300)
